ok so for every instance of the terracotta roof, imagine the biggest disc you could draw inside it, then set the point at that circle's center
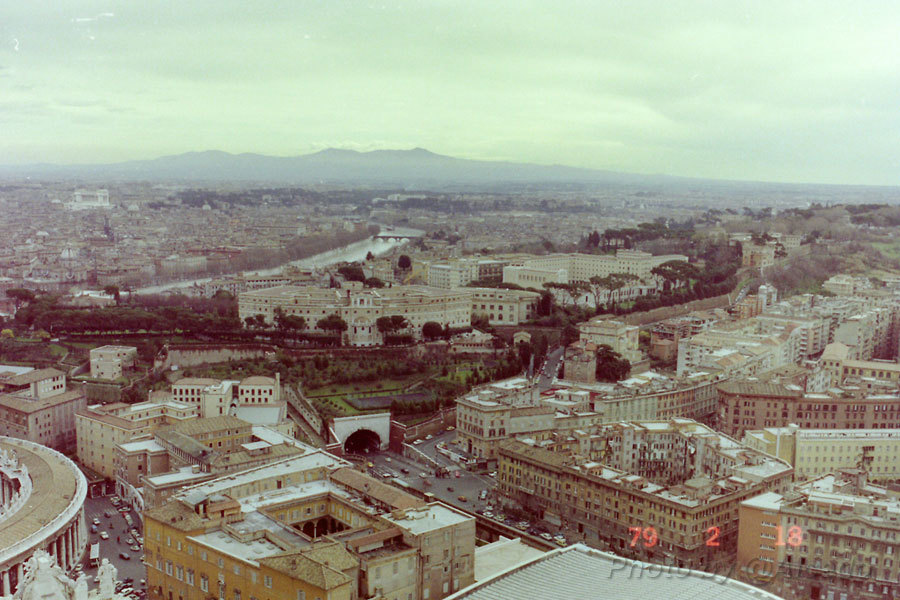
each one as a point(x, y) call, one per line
point(27, 404)
point(194, 427)
point(748, 388)
point(306, 567)
point(382, 492)
point(33, 376)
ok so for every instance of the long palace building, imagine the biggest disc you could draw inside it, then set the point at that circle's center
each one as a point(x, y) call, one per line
point(360, 308)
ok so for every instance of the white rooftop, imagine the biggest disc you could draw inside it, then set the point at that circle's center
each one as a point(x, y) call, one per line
point(428, 518)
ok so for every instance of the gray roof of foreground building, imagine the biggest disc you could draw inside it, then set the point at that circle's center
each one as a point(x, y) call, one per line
point(582, 572)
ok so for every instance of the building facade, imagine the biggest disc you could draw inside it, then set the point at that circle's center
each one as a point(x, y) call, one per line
point(680, 478)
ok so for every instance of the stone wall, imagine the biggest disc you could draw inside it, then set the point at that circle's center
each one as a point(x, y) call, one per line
point(190, 355)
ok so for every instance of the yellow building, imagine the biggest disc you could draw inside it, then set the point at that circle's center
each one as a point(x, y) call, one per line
point(679, 478)
point(100, 428)
point(836, 536)
point(307, 527)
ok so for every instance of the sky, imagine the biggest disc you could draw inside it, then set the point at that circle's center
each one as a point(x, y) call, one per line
point(754, 90)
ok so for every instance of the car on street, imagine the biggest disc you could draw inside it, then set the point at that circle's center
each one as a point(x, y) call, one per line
point(547, 536)
point(483, 495)
point(129, 541)
point(96, 521)
point(451, 428)
point(93, 529)
point(489, 514)
point(423, 475)
point(104, 535)
point(449, 488)
point(124, 556)
point(124, 509)
point(387, 459)
point(429, 437)
point(135, 548)
point(404, 470)
point(108, 514)
point(370, 464)
point(417, 442)
point(462, 498)
point(561, 542)
point(457, 474)
point(523, 525)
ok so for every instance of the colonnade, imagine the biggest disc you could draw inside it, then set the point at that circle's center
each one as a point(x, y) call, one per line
point(66, 549)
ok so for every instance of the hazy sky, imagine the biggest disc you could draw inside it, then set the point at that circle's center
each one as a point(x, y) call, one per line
point(781, 90)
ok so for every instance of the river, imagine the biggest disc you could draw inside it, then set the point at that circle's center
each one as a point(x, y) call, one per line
point(357, 251)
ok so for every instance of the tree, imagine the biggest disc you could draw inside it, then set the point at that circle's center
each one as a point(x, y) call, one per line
point(432, 330)
point(20, 295)
point(613, 283)
point(332, 323)
point(373, 282)
point(404, 262)
point(112, 290)
point(611, 367)
point(545, 304)
point(352, 272)
point(675, 271)
point(369, 256)
point(7, 334)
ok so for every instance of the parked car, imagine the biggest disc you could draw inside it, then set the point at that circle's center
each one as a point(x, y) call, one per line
point(462, 498)
point(404, 470)
point(135, 548)
point(124, 556)
point(93, 529)
point(547, 536)
point(417, 442)
point(104, 535)
point(129, 541)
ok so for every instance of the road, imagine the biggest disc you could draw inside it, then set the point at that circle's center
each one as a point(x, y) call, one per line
point(551, 368)
point(116, 527)
point(448, 489)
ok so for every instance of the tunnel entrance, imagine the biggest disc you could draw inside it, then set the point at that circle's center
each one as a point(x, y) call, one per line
point(362, 441)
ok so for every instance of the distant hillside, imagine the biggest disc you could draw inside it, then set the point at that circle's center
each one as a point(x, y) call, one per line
point(395, 167)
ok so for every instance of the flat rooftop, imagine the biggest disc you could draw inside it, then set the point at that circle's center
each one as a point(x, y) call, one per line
point(427, 518)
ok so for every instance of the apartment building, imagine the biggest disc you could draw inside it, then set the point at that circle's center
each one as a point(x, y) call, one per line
point(836, 536)
point(816, 452)
point(504, 307)
point(360, 308)
point(100, 428)
point(36, 405)
point(750, 405)
point(492, 414)
point(447, 276)
point(738, 349)
point(665, 335)
point(305, 527)
point(679, 478)
point(109, 362)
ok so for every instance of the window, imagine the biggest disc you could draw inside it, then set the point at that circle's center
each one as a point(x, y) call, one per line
point(204, 583)
point(168, 567)
point(301, 595)
point(237, 569)
point(190, 577)
point(268, 581)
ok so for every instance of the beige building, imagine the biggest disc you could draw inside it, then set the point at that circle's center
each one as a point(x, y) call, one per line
point(569, 268)
point(504, 307)
point(100, 428)
point(360, 308)
point(109, 362)
point(617, 335)
point(215, 397)
point(305, 527)
point(817, 452)
point(836, 536)
point(680, 478)
point(37, 406)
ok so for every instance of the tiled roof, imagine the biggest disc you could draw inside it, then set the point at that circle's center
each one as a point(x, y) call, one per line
point(33, 376)
point(382, 492)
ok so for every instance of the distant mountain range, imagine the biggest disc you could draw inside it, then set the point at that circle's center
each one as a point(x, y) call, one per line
point(384, 167)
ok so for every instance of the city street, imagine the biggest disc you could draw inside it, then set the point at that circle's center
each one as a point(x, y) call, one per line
point(116, 527)
point(447, 489)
